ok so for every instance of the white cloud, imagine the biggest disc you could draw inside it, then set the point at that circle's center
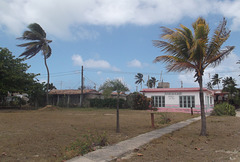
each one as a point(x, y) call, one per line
point(134, 63)
point(91, 63)
point(70, 19)
point(226, 69)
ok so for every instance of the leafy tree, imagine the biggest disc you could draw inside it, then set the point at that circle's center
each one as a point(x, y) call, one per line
point(187, 51)
point(38, 42)
point(13, 74)
point(138, 101)
point(118, 86)
point(216, 80)
point(139, 79)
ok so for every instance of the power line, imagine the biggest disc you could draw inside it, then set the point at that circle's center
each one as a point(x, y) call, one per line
point(77, 72)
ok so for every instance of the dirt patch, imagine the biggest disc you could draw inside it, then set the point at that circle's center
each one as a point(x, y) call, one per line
point(44, 135)
point(221, 144)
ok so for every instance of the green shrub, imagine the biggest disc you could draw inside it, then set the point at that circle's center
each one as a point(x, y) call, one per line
point(224, 109)
point(108, 102)
point(89, 142)
point(138, 101)
point(164, 118)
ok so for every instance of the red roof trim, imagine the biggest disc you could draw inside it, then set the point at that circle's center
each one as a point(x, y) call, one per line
point(175, 90)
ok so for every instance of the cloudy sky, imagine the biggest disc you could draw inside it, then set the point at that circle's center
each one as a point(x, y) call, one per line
point(113, 39)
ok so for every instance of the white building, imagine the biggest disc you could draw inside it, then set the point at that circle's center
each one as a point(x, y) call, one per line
point(179, 99)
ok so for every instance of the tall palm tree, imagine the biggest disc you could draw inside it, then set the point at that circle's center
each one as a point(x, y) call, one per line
point(187, 51)
point(37, 42)
point(118, 86)
point(139, 79)
point(229, 85)
point(209, 85)
point(154, 81)
point(216, 80)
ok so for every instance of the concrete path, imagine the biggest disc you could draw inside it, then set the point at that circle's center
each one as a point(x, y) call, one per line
point(109, 153)
point(237, 113)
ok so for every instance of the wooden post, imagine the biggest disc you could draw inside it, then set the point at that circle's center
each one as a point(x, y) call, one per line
point(191, 111)
point(152, 119)
point(81, 95)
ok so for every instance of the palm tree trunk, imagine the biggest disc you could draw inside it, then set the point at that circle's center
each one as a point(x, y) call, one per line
point(45, 61)
point(118, 129)
point(203, 116)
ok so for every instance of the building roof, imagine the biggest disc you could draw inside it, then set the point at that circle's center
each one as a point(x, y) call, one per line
point(175, 90)
point(72, 91)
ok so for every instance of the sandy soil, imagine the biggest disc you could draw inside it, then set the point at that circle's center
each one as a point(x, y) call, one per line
point(44, 135)
point(221, 144)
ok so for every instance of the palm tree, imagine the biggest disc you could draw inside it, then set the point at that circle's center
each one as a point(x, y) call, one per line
point(139, 79)
point(209, 85)
point(189, 51)
point(216, 80)
point(229, 85)
point(118, 86)
point(38, 42)
point(154, 81)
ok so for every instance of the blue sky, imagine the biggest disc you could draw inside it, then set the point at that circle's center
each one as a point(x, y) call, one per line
point(113, 39)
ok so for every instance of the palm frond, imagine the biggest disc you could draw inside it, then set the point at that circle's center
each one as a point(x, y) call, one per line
point(37, 29)
point(219, 57)
point(27, 44)
point(30, 52)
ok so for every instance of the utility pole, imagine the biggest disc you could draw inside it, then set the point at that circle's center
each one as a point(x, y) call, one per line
point(81, 95)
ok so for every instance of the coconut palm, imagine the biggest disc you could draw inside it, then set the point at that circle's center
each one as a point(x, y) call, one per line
point(154, 81)
point(187, 51)
point(38, 42)
point(216, 80)
point(229, 85)
point(118, 86)
point(139, 79)
point(209, 85)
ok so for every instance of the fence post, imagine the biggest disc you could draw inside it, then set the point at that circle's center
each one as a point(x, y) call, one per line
point(152, 119)
point(191, 111)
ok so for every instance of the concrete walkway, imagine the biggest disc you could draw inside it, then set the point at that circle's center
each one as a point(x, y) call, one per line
point(109, 153)
point(237, 113)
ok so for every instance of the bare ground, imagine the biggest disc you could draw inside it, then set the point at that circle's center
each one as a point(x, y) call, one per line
point(221, 144)
point(44, 135)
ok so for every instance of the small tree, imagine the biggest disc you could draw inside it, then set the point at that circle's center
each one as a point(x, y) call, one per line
point(118, 86)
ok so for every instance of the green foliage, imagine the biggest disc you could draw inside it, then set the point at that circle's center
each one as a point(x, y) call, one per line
point(164, 118)
point(138, 101)
point(89, 142)
point(224, 109)
point(13, 74)
point(114, 85)
point(107, 102)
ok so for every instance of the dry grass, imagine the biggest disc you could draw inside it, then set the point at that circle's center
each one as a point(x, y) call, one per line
point(221, 144)
point(44, 135)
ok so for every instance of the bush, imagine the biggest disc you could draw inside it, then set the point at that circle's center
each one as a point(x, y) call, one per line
point(164, 118)
point(138, 101)
point(224, 109)
point(89, 142)
point(108, 102)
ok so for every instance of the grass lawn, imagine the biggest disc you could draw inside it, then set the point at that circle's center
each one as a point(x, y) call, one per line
point(44, 135)
point(221, 144)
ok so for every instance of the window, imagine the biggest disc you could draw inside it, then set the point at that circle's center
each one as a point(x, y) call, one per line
point(187, 101)
point(158, 101)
